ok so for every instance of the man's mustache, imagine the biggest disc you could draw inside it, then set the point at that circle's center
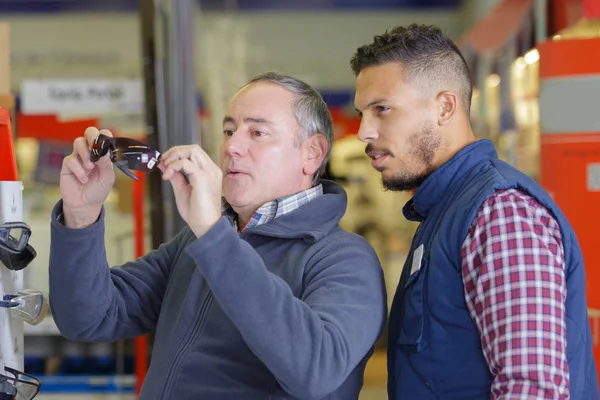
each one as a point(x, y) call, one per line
point(370, 148)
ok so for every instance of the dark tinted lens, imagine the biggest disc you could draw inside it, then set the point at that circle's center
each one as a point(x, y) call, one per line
point(134, 155)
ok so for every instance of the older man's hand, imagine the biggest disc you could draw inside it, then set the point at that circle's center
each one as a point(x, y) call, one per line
point(199, 201)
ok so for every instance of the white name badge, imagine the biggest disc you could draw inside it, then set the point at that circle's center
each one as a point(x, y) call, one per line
point(417, 258)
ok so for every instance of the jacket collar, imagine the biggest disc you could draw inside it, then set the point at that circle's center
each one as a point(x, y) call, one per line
point(428, 195)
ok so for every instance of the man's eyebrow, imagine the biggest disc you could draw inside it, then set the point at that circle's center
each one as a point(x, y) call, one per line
point(371, 104)
point(256, 120)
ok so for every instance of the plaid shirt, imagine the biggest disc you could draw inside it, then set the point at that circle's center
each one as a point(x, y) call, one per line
point(514, 277)
point(275, 208)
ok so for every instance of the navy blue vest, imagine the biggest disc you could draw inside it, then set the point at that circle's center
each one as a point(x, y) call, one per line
point(434, 350)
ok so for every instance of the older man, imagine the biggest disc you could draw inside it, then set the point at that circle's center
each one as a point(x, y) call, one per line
point(262, 295)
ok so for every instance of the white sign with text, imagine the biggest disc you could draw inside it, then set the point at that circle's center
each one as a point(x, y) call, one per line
point(96, 96)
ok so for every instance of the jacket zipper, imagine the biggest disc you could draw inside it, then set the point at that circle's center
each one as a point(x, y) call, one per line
point(187, 343)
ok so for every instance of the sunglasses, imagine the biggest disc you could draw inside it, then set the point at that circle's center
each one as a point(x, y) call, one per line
point(126, 154)
point(18, 386)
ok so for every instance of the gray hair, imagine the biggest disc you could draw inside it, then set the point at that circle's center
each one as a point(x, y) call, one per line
point(310, 110)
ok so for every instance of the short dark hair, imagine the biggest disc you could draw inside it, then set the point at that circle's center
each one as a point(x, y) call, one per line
point(427, 54)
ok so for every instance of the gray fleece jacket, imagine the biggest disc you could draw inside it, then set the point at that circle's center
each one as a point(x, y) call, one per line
point(287, 310)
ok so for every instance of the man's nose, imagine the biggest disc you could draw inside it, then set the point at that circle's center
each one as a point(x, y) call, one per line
point(367, 132)
point(236, 145)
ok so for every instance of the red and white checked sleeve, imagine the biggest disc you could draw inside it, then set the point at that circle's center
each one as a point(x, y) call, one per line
point(514, 278)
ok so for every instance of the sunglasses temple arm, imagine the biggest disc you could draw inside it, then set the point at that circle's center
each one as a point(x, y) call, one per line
point(126, 171)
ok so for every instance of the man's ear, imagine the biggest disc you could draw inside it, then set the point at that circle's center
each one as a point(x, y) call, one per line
point(316, 147)
point(447, 107)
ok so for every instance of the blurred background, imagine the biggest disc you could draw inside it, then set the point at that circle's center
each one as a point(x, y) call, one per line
point(162, 71)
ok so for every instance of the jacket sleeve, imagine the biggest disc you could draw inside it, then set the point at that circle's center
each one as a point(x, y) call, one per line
point(92, 302)
point(310, 344)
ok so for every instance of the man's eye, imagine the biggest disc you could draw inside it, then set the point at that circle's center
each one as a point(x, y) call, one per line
point(381, 109)
point(259, 133)
point(227, 132)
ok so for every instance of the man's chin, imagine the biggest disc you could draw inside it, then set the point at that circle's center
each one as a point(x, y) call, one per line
point(238, 196)
point(234, 201)
point(396, 184)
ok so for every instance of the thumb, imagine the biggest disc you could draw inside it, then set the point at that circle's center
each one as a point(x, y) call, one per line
point(105, 170)
point(104, 165)
point(178, 182)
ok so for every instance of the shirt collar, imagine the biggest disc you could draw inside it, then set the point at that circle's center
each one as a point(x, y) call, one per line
point(275, 208)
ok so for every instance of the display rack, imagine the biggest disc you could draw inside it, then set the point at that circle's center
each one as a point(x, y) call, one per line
point(11, 209)
point(11, 329)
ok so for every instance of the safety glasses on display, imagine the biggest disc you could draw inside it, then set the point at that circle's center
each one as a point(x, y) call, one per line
point(29, 305)
point(17, 261)
point(16, 385)
point(15, 251)
point(126, 154)
point(14, 236)
point(8, 391)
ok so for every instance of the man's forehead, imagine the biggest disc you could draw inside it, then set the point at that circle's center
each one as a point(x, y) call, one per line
point(229, 119)
point(381, 82)
point(367, 95)
point(264, 103)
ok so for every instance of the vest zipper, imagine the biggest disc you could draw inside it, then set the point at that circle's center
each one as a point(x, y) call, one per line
point(185, 345)
point(418, 230)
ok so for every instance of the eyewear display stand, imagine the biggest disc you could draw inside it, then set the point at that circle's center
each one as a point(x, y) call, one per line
point(11, 329)
point(11, 209)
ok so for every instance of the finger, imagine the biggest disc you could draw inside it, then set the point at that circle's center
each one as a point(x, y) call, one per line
point(174, 170)
point(201, 156)
point(106, 132)
point(175, 153)
point(72, 165)
point(193, 153)
point(82, 151)
point(178, 182)
point(170, 152)
point(91, 133)
point(177, 166)
point(104, 163)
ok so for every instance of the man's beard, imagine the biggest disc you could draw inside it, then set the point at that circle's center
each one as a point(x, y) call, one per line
point(423, 145)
